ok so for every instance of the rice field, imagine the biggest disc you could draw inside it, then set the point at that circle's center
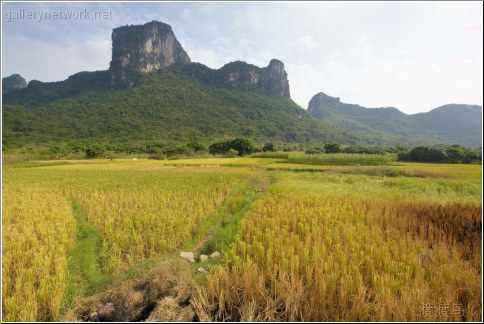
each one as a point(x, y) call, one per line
point(344, 243)
point(139, 215)
point(318, 258)
point(37, 232)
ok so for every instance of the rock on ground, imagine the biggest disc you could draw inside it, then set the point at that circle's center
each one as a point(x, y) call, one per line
point(203, 257)
point(215, 255)
point(188, 256)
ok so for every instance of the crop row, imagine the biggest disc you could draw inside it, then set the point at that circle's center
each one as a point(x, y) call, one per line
point(319, 258)
point(37, 232)
point(342, 159)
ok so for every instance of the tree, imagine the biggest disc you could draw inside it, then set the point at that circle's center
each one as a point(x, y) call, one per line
point(332, 148)
point(196, 147)
point(424, 154)
point(269, 147)
point(314, 150)
point(94, 151)
point(455, 154)
point(242, 145)
point(183, 150)
point(219, 148)
point(437, 154)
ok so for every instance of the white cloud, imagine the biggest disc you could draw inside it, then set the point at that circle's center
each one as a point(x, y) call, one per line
point(53, 62)
point(307, 42)
point(414, 56)
point(186, 13)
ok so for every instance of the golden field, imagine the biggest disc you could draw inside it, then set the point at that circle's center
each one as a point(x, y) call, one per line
point(329, 243)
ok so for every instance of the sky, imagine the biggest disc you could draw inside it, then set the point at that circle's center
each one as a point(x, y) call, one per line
point(414, 56)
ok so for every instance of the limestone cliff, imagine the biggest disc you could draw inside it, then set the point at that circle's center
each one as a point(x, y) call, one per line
point(271, 79)
point(143, 48)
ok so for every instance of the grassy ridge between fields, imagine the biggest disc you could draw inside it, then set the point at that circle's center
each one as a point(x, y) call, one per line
point(85, 272)
point(221, 227)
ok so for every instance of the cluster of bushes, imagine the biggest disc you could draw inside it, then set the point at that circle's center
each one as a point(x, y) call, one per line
point(442, 154)
point(167, 151)
point(234, 147)
point(328, 148)
point(242, 146)
point(239, 146)
point(437, 153)
point(153, 150)
point(337, 148)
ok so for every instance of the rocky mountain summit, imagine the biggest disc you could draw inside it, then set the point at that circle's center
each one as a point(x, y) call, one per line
point(271, 79)
point(12, 83)
point(146, 48)
point(143, 48)
point(154, 46)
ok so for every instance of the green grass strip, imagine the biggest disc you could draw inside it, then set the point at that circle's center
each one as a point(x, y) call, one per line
point(84, 270)
point(222, 226)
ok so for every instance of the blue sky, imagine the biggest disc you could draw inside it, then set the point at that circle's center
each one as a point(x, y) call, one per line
point(410, 55)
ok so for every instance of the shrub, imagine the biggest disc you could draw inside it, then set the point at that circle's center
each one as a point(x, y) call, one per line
point(196, 147)
point(242, 145)
point(332, 148)
point(94, 151)
point(231, 153)
point(269, 147)
point(314, 150)
point(219, 148)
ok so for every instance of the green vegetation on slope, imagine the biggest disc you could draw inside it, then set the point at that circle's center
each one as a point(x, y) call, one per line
point(167, 106)
point(451, 124)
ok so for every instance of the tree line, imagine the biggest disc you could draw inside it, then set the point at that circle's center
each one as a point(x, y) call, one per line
point(242, 146)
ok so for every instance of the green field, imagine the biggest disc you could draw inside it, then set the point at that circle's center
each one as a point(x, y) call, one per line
point(298, 241)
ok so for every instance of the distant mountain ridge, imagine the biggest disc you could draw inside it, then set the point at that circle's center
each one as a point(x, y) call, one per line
point(450, 124)
point(153, 92)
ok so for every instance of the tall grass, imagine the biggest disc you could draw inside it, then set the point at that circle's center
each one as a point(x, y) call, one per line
point(316, 258)
point(37, 232)
point(150, 214)
point(390, 188)
point(312, 246)
point(271, 155)
point(342, 159)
